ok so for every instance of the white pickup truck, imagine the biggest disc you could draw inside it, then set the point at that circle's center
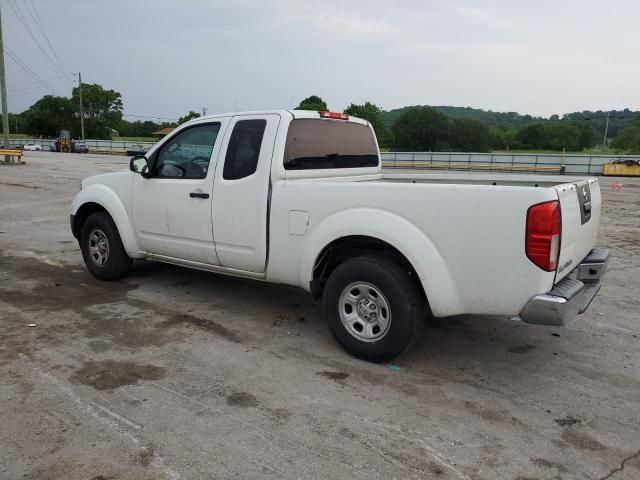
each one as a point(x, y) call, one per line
point(299, 198)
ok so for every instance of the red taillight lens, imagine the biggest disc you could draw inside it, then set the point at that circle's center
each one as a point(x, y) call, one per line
point(542, 243)
point(334, 115)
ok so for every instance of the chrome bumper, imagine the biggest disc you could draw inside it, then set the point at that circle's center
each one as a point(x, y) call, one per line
point(572, 295)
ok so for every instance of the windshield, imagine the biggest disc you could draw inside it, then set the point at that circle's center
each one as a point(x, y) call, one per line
point(321, 144)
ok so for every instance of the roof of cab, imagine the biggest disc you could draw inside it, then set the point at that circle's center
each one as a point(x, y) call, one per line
point(296, 114)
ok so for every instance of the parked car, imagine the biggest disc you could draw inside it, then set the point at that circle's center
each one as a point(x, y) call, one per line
point(33, 147)
point(299, 198)
point(136, 150)
point(80, 148)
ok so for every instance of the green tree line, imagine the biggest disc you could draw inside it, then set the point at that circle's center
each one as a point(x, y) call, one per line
point(628, 140)
point(102, 115)
point(424, 128)
point(50, 114)
point(417, 128)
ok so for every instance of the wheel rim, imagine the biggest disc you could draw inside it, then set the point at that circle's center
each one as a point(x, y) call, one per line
point(98, 247)
point(364, 311)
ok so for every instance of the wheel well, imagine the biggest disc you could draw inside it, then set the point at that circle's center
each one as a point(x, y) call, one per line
point(82, 214)
point(345, 248)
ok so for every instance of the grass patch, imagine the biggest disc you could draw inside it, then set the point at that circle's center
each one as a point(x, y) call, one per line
point(134, 139)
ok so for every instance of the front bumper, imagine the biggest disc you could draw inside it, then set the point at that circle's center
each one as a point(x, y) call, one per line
point(572, 295)
point(74, 230)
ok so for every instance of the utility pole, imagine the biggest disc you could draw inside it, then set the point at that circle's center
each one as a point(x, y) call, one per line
point(3, 93)
point(81, 111)
point(606, 130)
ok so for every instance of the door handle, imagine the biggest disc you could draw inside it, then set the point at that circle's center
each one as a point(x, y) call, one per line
point(198, 195)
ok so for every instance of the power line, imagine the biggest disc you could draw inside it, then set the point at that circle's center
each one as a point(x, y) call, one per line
point(43, 32)
point(36, 87)
point(52, 81)
point(22, 94)
point(30, 85)
point(27, 69)
point(21, 18)
point(57, 78)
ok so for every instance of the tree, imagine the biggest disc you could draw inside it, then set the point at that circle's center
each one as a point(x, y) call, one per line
point(587, 135)
point(313, 102)
point(531, 137)
point(102, 113)
point(48, 116)
point(102, 110)
point(16, 122)
point(137, 128)
point(189, 116)
point(502, 138)
point(628, 140)
point(618, 119)
point(562, 135)
point(469, 136)
point(374, 115)
point(421, 129)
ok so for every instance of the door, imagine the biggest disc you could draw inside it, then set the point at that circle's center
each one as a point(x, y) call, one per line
point(240, 199)
point(172, 208)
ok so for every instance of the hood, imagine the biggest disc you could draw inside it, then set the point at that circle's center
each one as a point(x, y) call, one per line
point(110, 179)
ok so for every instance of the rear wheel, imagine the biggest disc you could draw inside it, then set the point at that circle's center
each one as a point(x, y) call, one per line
point(374, 307)
point(102, 249)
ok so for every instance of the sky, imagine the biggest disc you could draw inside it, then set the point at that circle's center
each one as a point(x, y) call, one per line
point(168, 57)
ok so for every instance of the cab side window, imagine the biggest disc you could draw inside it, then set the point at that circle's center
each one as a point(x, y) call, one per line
point(187, 155)
point(244, 149)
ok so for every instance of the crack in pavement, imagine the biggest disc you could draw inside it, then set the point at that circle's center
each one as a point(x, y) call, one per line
point(621, 467)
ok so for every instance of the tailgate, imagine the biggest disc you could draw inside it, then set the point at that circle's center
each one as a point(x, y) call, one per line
point(580, 208)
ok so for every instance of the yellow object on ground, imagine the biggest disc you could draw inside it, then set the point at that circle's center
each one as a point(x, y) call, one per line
point(10, 152)
point(621, 170)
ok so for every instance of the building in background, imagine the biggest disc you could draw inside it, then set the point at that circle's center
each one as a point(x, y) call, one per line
point(162, 133)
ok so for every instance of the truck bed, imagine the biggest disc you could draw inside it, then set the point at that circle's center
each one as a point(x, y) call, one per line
point(468, 230)
point(578, 236)
point(498, 179)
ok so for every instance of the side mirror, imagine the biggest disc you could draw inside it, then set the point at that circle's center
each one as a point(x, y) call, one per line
point(139, 164)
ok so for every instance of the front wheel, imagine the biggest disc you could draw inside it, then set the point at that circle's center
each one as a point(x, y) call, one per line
point(374, 307)
point(102, 249)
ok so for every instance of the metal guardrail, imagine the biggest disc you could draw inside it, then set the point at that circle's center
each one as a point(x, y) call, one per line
point(549, 163)
point(96, 146)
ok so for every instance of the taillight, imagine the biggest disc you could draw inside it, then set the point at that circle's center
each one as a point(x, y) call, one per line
point(334, 115)
point(544, 227)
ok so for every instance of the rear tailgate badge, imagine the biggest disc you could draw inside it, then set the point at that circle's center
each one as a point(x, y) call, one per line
point(566, 265)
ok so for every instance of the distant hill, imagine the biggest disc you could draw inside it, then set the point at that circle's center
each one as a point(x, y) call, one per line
point(618, 119)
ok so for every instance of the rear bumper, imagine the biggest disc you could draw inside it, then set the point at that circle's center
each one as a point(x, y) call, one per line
point(572, 295)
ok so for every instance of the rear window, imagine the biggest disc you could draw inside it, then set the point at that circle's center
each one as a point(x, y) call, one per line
point(244, 149)
point(321, 144)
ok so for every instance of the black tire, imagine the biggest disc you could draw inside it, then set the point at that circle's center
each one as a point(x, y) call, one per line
point(400, 291)
point(116, 263)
